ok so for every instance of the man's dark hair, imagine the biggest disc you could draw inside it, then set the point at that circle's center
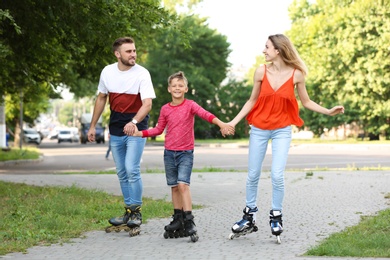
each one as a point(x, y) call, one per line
point(118, 42)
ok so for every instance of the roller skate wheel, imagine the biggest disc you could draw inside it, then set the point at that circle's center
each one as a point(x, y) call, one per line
point(194, 238)
point(166, 235)
point(278, 240)
point(134, 232)
point(231, 236)
point(108, 229)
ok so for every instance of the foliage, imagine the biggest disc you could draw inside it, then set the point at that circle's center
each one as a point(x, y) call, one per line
point(174, 4)
point(203, 60)
point(66, 115)
point(232, 98)
point(51, 44)
point(34, 102)
point(251, 71)
point(70, 40)
point(345, 46)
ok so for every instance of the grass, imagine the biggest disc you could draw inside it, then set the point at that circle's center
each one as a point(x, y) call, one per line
point(33, 215)
point(29, 153)
point(370, 238)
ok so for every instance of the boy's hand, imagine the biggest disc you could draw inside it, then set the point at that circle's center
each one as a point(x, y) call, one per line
point(138, 133)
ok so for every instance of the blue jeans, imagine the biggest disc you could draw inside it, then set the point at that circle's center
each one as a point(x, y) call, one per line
point(258, 142)
point(127, 152)
point(178, 166)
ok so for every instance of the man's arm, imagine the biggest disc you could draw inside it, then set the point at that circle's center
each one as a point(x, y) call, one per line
point(100, 103)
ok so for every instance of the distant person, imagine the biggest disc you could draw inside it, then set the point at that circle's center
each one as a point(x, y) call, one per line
point(130, 91)
point(271, 110)
point(178, 118)
point(7, 135)
point(109, 147)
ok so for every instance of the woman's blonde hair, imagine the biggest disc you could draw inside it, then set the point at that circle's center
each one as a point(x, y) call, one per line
point(287, 52)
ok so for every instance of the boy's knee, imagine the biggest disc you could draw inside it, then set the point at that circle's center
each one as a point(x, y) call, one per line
point(182, 187)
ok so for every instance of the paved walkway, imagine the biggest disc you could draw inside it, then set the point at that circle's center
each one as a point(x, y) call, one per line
point(315, 207)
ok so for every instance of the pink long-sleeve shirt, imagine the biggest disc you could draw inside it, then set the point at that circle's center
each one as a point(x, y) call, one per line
point(179, 123)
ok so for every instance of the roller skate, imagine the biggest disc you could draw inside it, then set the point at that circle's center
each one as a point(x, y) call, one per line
point(246, 225)
point(190, 227)
point(135, 220)
point(119, 223)
point(276, 224)
point(175, 229)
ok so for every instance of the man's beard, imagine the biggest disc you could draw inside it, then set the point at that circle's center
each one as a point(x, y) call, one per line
point(127, 63)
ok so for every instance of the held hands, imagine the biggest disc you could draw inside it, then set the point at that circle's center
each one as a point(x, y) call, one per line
point(138, 133)
point(227, 129)
point(130, 129)
point(336, 110)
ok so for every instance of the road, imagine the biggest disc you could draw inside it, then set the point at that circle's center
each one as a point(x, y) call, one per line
point(67, 157)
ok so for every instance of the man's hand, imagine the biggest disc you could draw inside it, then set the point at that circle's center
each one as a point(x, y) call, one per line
point(91, 134)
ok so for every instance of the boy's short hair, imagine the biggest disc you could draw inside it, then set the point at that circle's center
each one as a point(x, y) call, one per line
point(118, 42)
point(177, 75)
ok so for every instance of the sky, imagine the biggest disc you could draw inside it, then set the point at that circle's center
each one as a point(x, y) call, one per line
point(247, 25)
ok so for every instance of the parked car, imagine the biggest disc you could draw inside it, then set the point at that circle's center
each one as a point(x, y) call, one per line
point(85, 120)
point(53, 134)
point(65, 136)
point(31, 135)
point(99, 137)
point(75, 137)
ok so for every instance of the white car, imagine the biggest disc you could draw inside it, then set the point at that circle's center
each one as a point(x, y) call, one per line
point(31, 136)
point(65, 136)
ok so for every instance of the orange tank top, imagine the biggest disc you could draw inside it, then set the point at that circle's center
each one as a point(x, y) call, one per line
point(275, 109)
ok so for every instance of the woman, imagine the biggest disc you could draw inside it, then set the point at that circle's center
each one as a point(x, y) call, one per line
point(271, 110)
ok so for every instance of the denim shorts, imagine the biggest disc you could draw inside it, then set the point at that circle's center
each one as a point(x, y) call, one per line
point(178, 166)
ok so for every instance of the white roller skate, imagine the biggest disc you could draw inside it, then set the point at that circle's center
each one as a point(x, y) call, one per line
point(276, 224)
point(246, 225)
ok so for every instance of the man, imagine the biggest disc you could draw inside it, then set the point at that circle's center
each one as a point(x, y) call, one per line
point(130, 91)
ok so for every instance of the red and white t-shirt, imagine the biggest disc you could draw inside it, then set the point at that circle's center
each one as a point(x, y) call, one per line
point(126, 90)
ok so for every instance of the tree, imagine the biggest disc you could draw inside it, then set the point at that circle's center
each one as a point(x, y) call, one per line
point(50, 43)
point(66, 41)
point(203, 60)
point(233, 95)
point(345, 45)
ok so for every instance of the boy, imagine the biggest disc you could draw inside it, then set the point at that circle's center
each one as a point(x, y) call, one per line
point(178, 118)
